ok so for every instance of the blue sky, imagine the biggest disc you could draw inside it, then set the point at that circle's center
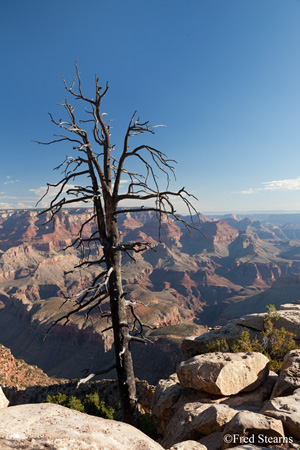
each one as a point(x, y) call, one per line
point(222, 75)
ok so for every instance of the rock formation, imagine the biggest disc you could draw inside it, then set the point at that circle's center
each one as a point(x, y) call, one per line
point(188, 282)
point(220, 422)
point(234, 403)
point(223, 373)
point(287, 382)
point(18, 374)
point(49, 426)
point(288, 318)
point(265, 413)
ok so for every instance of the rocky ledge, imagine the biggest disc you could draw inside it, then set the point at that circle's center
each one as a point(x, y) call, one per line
point(214, 401)
point(217, 400)
point(54, 427)
point(288, 318)
point(221, 408)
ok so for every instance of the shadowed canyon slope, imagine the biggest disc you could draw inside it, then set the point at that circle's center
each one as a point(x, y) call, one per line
point(187, 280)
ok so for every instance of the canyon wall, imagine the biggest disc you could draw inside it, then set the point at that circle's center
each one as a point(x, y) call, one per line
point(187, 281)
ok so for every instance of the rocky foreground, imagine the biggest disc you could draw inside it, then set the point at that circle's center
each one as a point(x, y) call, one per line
point(53, 427)
point(214, 401)
point(221, 400)
point(217, 400)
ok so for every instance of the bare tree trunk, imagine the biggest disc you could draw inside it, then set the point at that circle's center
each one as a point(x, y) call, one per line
point(106, 172)
point(123, 357)
point(124, 364)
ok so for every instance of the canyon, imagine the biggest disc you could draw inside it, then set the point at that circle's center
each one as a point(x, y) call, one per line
point(189, 282)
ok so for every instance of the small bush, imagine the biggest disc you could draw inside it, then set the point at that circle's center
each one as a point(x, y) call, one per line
point(147, 426)
point(277, 342)
point(274, 343)
point(91, 405)
point(94, 407)
point(60, 399)
point(220, 345)
point(75, 403)
point(245, 344)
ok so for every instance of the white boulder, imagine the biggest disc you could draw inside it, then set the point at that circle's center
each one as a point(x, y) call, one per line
point(286, 409)
point(188, 445)
point(46, 425)
point(224, 373)
point(251, 428)
point(289, 377)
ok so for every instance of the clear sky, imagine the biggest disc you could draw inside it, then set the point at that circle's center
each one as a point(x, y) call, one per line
point(222, 75)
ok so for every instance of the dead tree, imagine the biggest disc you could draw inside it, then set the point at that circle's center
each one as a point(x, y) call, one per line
point(94, 176)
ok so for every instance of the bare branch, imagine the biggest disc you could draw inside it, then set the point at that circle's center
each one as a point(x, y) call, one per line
point(99, 372)
point(102, 244)
point(138, 324)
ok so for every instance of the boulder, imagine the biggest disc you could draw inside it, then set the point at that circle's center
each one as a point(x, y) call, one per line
point(180, 428)
point(188, 445)
point(224, 373)
point(290, 307)
point(286, 409)
point(254, 398)
point(213, 419)
point(169, 396)
point(166, 394)
point(213, 441)
point(49, 426)
point(3, 400)
point(250, 428)
point(289, 377)
point(195, 420)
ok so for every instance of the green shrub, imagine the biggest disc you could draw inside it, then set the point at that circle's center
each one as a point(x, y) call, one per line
point(273, 342)
point(94, 407)
point(60, 399)
point(75, 403)
point(220, 345)
point(147, 426)
point(91, 405)
point(245, 344)
point(277, 342)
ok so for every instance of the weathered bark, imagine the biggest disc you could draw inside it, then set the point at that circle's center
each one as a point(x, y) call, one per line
point(124, 364)
point(104, 193)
